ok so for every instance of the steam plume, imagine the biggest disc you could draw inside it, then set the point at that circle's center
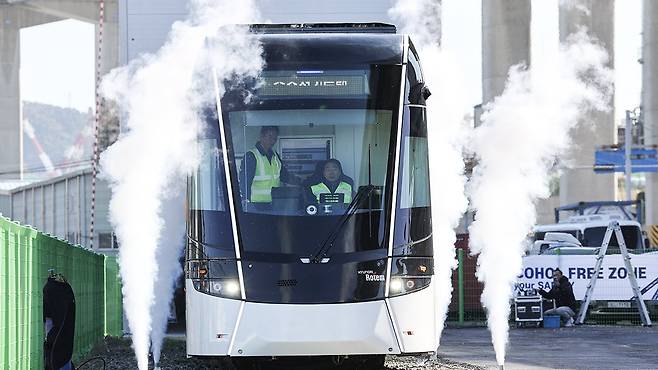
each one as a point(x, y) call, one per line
point(580, 5)
point(446, 111)
point(523, 132)
point(159, 95)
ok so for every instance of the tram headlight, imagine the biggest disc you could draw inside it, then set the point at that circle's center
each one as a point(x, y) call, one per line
point(396, 285)
point(224, 287)
point(217, 277)
point(232, 287)
point(410, 274)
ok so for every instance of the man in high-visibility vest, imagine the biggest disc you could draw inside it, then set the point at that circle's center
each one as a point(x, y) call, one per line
point(332, 187)
point(262, 169)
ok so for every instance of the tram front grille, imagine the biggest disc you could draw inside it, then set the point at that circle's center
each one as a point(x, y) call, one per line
point(287, 283)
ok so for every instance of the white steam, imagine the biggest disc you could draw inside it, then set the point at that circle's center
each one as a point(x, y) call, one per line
point(446, 112)
point(580, 5)
point(523, 132)
point(159, 96)
point(167, 261)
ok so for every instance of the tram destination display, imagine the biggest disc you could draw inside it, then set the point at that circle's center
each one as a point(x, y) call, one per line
point(316, 83)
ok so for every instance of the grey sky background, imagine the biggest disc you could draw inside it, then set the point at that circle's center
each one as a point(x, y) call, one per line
point(57, 59)
point(57, 64)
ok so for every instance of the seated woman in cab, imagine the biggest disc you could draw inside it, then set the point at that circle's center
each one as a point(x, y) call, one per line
point(332, 187)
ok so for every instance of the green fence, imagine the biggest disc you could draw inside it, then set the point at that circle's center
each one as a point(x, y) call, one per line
point(26, 255)
point(113, 299)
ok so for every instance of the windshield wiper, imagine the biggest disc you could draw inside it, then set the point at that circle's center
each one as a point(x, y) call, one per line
point(328, 243)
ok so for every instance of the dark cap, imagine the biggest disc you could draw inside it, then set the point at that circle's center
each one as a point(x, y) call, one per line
point(266, 129)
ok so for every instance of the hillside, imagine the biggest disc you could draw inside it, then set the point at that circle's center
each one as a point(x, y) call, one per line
point(57, 129)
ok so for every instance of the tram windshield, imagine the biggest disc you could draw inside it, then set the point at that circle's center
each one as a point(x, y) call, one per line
point(310, 156)
point(309, 162)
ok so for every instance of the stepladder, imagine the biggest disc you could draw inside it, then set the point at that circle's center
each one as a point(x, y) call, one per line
point(614, 229)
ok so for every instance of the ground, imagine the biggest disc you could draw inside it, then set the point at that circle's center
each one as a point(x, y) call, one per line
point(583, 347)
point(580, 347)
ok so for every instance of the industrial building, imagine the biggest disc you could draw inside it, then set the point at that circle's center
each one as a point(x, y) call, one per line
point(61, 206)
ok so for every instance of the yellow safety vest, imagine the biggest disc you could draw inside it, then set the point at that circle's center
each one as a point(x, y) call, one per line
point(343, 188)
point(266, 177)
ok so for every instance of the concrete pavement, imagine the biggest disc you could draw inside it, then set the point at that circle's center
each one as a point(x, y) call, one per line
point(581, 347)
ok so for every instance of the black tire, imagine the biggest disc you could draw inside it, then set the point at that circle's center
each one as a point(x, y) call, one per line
point(374, 362)
point(246, 364)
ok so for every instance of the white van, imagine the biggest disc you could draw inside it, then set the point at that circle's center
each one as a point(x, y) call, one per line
point(587, 232)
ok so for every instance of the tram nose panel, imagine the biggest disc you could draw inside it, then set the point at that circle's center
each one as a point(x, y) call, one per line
point(314, 330)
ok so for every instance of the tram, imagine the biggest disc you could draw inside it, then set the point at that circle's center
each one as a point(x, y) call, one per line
point(279, 264)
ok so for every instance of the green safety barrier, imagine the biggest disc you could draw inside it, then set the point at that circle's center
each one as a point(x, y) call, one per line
point(26, 255)
point(113, 299)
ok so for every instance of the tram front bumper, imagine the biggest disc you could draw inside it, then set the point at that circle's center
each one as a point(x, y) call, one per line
point(220, 327)
point(314, 330)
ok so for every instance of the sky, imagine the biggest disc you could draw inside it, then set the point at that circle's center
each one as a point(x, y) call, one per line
point(57, 64)
point(57, 59)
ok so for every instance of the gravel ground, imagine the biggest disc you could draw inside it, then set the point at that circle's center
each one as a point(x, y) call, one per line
point(118, 355)
point(414, 363)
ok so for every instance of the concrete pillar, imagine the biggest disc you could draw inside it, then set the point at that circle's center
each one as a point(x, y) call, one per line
point(11, 132)
point(650, 99)
point(505, 42)
point(12, 19)
point(581, 183)
point(109, 125)
point(110, 58)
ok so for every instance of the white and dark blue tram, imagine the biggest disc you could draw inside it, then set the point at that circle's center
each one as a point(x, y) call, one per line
point(309, 225)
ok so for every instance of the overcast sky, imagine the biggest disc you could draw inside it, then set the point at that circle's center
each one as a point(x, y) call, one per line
point(57, 59)
point(57, 64)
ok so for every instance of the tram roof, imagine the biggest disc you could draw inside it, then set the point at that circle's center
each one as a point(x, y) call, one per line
point(368, 43)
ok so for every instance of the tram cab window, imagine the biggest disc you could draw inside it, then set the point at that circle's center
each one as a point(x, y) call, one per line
point(207, 189)
point(207, 185)
point(414, 174)
point(358, 139)
point(415, 90)
point(413, 227)
point(208, 217)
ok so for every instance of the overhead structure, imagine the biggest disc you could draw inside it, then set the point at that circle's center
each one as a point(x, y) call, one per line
point(505, 42)
point(17, 14)
point(145, 24)
point(10, 120)
point(13, 18)
point(650, 99)
point(580, 183)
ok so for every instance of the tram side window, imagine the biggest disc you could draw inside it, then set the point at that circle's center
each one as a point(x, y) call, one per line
point(415, 66)
point(414, 183)
point(207, 186)
point(413, 227)
point(415, 83)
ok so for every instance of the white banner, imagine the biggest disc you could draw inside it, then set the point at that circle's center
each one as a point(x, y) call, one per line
point(612, 283)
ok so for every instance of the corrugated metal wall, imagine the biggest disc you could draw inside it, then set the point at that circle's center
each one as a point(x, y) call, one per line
point(61, 207)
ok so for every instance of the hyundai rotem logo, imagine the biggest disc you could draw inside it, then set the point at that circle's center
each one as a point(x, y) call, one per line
point(373, 277)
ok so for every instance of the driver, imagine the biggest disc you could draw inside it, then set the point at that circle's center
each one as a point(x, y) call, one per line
point(332, 187)
point(262, 169)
